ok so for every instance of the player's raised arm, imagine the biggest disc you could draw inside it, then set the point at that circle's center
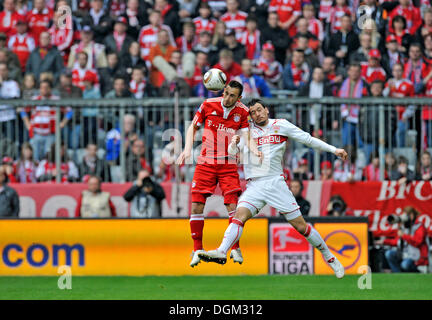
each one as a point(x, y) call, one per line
point(251, 144)
point(297, 134)
point(190, 136)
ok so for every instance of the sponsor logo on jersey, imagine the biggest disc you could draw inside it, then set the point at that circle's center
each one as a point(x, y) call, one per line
point(272, 139)
point(223, 128)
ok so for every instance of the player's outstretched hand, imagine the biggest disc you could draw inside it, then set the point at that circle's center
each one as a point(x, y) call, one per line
point(341, 153)
point(182, 157)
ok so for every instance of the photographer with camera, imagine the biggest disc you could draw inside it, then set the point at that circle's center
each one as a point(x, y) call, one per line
point(412, 247)
point(336, 206)
point(146, 196)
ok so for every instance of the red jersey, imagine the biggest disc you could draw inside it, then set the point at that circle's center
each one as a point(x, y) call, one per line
point(286, 9)
point(372, 173)
point(25, 171)
point(22, 45)
point(196, 78)
point(38, 22)
point(427, 110)
point(202, 24)
point(417, 239)
point(117, 8)
point(62, 38)
point(400, 89)
point(232, 72)
point(252, 44)
point(220, 125)
point(148, 38)
point(371, 74)
point(412, 16)
point(43, 118)
point(415, 72)
point(335, 17)
point(325, 9)
point(78, 76)
point(185, 46)
point(8, 21)
point(271, 70)
point(236, 22)
point(137, 89)
point(316, 28)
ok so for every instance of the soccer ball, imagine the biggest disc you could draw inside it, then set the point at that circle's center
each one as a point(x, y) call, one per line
point(214, 80)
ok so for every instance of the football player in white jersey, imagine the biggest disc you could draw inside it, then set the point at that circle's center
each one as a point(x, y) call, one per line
point(266, 183)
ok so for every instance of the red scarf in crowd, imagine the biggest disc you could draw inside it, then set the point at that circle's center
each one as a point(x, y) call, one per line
point(297, 74)
point(166, 9)
point(64, 170)
point(351, 111)
point(119, 39)
point(414, 72)
point(252, 44)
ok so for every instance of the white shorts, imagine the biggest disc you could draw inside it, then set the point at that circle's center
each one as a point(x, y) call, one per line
point(273, 191)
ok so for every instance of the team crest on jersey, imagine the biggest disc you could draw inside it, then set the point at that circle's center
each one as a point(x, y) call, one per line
point(237, 117)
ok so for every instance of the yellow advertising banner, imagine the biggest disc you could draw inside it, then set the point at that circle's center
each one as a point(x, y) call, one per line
point(347, 241)
point(123, 247)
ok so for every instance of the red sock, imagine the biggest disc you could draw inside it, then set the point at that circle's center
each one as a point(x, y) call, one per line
point(196, 222)
point(237, 244)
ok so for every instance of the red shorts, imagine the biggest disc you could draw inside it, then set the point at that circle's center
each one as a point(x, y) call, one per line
point(207, 176)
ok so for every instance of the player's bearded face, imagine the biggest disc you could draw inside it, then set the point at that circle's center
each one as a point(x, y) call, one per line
point(230, 96)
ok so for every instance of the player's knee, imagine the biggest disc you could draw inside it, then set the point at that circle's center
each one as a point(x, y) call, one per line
point(242, 214)
point(231, 207)
point(197, 208)
point(300, 226)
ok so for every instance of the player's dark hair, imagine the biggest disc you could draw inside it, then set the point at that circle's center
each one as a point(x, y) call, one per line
point(255, 101)
point(237, 85)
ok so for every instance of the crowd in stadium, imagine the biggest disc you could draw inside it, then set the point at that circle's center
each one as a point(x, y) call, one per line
point(105, 49)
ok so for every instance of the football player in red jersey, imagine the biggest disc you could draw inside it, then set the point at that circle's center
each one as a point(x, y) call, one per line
point(221, 117)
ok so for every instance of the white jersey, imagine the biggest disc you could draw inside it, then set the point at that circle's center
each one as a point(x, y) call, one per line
point(271, 140)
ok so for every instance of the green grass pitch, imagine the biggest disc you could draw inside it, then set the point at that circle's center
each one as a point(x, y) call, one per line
point(384, 286)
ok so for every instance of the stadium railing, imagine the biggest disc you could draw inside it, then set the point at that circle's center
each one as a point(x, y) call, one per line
point(380, 128)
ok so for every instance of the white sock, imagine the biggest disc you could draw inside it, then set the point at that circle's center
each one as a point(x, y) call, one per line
point(317, 241)
point(231, 236)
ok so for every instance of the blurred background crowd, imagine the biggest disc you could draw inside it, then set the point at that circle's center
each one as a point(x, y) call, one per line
point(101, 49)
